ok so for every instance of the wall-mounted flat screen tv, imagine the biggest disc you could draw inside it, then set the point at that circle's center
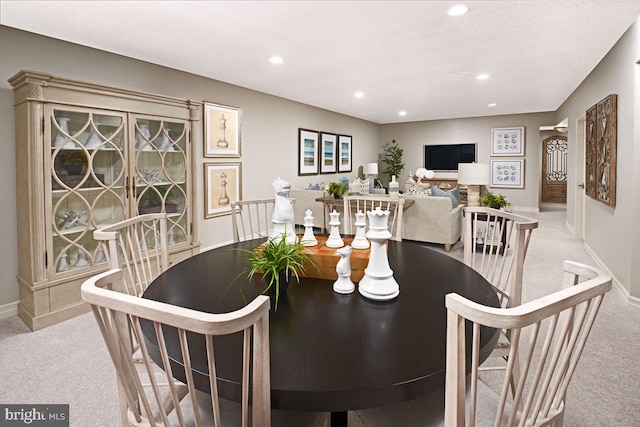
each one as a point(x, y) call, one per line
point(445, 157)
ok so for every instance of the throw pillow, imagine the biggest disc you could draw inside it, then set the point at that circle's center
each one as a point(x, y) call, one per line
point(453, 194)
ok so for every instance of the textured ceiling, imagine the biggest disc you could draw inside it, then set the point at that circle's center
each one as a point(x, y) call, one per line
point(403, 55)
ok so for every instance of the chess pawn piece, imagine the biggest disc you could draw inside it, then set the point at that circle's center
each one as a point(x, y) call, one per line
point(344, 285)
point(63, 265)
point(360, 241)
point(378, 282)
point(334, 240)
point(82, 259)
point(308, 239)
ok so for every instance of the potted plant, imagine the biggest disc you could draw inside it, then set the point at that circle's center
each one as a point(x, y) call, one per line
point(73, 161)
point(278, 262)
point(495, 201)
point(393, 160)
point(336, 189)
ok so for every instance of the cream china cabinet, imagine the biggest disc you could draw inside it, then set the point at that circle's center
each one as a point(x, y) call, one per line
point(88, 156)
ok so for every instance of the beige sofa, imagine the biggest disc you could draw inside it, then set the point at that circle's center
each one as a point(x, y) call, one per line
point(433, 220)
point(430, 219)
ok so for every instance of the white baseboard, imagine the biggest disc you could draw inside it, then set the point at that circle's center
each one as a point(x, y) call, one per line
point(617, 285)
point(570, 228)
point(9, 310)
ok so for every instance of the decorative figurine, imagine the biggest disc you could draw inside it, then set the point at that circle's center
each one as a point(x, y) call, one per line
point(81, 260)
point(100, 255)
point(62, 137)
point(308, 239)
point(71, 219)
point(344, 285)
point(334, 240)
point(378, 282)
point(282, 217)
point(360, 241)
point(63, 265)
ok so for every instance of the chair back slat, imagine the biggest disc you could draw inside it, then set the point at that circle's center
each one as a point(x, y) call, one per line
point(252, 219)
point(139, 246)
point(119, 314)
point(495, 245)
point(354, 204)
point(548, 333)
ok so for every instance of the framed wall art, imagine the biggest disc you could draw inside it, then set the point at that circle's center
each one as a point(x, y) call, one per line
point(221, 130)
point(222, 186)
point(507, 141)
point(308, 141)
point(507, 173)
point(328, 145)
point(344, 153)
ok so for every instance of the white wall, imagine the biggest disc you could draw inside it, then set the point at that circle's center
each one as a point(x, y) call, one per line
point(613, 233)
point(269, 129)
point(413, 136)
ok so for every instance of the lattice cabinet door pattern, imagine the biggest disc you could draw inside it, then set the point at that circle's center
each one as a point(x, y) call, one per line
point(99, 155)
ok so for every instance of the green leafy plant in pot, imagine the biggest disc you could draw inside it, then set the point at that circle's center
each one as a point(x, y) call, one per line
point(393, 160)
point(495, 201)
point(277, 261)
point(336, 189)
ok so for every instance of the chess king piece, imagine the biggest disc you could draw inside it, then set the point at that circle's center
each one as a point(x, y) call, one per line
point(334, 240)
point(223, 200)
point(308, 239)
point(360, 241)
point(282, 217)
point(378, 282)
point(344, 285)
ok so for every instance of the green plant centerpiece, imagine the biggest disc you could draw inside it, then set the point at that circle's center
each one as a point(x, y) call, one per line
point(495, 201)
point(393, 160)
point(276, 260)
point(336, 189)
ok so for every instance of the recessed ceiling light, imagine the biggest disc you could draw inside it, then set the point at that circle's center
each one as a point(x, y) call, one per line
point(358, 94)
point(482, 76)
point(493, 104)
point(276, 60)
point(402, 113)
point(457, 10)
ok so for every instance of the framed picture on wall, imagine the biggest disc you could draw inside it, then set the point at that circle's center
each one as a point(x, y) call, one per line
point(221, 130)
point(222, 186)
point(328, 155)
point(507, 173)
point(307, 152)
point(507, 141)
point(344, 153)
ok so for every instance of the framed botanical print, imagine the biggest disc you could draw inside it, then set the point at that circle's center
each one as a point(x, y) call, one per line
point(344, 153)
point(307, 152)
point(222, 186)
point(507, 141)
point(507, 173)
point(328, 145)
point(221, 131)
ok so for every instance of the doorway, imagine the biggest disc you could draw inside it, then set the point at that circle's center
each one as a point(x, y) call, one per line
point(554, 169)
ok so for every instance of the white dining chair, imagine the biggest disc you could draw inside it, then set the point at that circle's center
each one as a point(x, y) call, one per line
point(251, 219)
point(550, 333)
point(138, 245)
point(354, 204)
point(119, 314)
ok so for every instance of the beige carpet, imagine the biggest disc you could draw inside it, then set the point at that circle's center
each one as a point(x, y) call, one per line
point(68, 363)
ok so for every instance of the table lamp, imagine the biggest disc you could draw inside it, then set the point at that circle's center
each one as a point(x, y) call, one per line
point(371, 169)
point(473, 175)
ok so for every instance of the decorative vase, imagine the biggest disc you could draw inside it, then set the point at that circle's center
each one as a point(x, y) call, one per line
point(93, 140)
point(62, 137)
point(143, 135)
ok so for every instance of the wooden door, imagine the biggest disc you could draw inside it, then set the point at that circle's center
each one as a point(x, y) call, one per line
point(554, 169)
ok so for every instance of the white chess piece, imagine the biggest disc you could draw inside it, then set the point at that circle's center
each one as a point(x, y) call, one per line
point(378, 282)
point(282, 217)
point(308, 239)
point(334, 240)
point(360, 241)
point(344, 285)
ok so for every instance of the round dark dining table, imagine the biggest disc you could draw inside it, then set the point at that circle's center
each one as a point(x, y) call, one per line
point(333, 352)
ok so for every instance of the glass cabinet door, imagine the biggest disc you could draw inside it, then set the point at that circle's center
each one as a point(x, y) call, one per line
point(161, 167)
point(88, 169)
